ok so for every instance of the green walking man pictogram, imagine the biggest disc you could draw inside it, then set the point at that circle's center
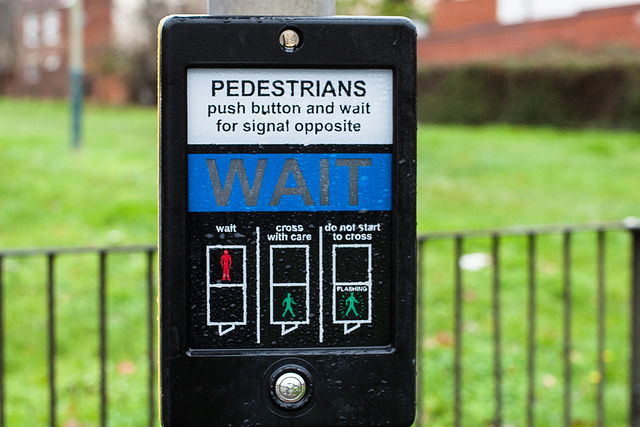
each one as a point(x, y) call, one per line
point(352, 301)
point(288, 301)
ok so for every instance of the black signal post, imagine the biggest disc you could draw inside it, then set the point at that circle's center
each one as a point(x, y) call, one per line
point(287, 221)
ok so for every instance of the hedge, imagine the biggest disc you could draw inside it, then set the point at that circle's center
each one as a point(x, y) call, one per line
point(604, 95)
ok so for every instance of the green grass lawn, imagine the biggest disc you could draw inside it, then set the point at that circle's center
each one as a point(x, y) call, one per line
point(497, 176)
point(105, 193)
point(480, 177)
point(468, 177)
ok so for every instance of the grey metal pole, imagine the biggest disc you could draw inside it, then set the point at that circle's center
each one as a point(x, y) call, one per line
point(273, 7)
point(76, 70)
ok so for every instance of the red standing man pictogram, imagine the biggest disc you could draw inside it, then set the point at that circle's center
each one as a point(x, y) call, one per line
point(225, 262)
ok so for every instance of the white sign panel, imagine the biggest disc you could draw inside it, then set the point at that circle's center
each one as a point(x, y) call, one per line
point(289, 106)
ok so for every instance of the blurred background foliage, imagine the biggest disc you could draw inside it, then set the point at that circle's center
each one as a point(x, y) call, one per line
point(564, 89)
point(414, 9)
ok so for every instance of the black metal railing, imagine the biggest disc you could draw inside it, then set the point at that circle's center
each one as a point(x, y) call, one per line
point(540, 303)
point(586, 271)
point(11, 277)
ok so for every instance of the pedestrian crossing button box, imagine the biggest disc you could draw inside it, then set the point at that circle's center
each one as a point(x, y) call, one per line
point(287, 221)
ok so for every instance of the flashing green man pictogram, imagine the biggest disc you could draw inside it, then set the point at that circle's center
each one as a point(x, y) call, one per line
point(288, 301)
point(351, 302)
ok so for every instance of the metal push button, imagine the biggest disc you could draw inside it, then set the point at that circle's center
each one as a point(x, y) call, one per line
point(290, 388)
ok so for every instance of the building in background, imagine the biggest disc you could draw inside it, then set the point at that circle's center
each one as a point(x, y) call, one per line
point(7, 50)
point(479, 30)
point(119, 47)
point(120, 38)
point(41, 45)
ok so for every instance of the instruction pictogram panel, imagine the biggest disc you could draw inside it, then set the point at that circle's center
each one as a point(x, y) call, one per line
point(352, 285)
point(266, 290)
point(226, 287)
point(289, 285)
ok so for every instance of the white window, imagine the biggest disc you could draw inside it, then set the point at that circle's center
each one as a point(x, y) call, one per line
point(31, 71)
point(52, 63)
point(31, 30)
point(51, 28)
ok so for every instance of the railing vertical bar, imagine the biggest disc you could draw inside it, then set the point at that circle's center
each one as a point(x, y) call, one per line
point(2, 397)
point(601, 327)
point(531, 344)
point(51, 336)
point(422, 246)
point(150, 343)
point(634, 398)
point(457, 364)
point(103, 337)
point(567, 326)
point(497, 326)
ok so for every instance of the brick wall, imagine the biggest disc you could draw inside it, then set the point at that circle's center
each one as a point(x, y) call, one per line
point(97, 31)
point(457, 14)
point(586, 31)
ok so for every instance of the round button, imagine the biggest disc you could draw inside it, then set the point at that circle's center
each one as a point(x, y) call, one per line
point(290, 387)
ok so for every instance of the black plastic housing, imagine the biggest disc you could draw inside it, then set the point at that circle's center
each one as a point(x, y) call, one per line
point(363, 379)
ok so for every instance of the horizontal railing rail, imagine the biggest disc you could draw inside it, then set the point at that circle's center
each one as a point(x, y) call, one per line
point(524, 230)
point(77, 250)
